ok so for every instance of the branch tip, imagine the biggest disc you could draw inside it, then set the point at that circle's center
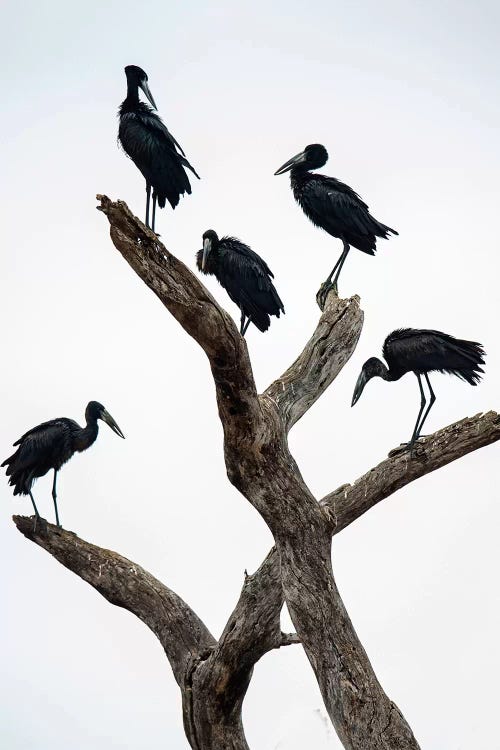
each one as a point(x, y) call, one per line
point(288, 639)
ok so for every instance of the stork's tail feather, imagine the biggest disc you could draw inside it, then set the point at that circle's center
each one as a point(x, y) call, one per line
point(385, 231)
point(20, 479)
point(472, 355)
point(10, 463)
point(189, 166)
point(261, 320)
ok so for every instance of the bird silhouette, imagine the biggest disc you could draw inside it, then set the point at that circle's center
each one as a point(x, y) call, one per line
point(153, 149)
point(422, 351)
point(333, 206)
point(245, 276)
point(49, 446)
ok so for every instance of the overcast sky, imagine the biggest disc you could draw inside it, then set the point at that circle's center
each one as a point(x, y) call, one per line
point(404, 95)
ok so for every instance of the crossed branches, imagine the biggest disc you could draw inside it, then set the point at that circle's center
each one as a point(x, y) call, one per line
point(213, 675)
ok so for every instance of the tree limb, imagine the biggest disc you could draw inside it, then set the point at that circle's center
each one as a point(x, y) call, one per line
point(254, 628)
point(288, 639)
point(345, 504)
point(192, 305)
point(323, 357)
point(123, 583)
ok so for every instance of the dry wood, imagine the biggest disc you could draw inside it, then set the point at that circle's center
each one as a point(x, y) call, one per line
point(124, 583)
point(323, 357)
point(214, 675)
point(348, 502)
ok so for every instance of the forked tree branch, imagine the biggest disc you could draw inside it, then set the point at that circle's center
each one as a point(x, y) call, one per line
point(350, 501)
point(259, 463)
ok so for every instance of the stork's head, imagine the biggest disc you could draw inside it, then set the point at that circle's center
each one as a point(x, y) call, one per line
point(95, 411)
point(210, 244)
point(372, 368)
point(313, 156)
point(137, 77)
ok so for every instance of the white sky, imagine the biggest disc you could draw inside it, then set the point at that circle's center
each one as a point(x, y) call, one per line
point(405, 97)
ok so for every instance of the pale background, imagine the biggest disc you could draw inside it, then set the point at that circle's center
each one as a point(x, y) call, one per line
point(405, 97)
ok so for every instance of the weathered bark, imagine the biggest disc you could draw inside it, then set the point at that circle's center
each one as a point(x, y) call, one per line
point(350, 501)
point(124, 583)
point(358, 707)
point(211, 707)
point(323, 357)
point(195, 309)
point(347, 503)
point(214, 675)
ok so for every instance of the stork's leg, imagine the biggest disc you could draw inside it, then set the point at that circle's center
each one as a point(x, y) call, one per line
point(154, 211)
point(414, 436)
point(148, 196)
point(431, 402)
point(329, 285)
point(341, 263)
point(37, 514)
point(246, 326)
point(54, 498)
point(242, 322)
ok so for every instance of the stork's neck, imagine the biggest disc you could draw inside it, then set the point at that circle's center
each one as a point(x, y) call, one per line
point(87, 435)
point(380, 368)
point(391, 375)
point(132, 99)
point(299, 175)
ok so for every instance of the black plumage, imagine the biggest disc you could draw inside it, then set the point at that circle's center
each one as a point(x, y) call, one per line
point(49, 446)
point(333, 206)
point(423, 351)
point(245, 276)
point(152, 148)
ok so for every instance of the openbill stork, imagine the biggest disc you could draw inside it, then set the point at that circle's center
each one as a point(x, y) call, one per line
point(49, 446)
point(153, 149)
point(245, 276)
point(333, 206)
point(423, 351)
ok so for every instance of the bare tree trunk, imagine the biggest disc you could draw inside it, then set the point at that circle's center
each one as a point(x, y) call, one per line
point(213, 675)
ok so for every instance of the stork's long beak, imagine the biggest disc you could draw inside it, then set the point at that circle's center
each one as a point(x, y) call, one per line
point(291, 163)
point(360, 384)
point(207, 246)
point(106, 417)
point(144, 86)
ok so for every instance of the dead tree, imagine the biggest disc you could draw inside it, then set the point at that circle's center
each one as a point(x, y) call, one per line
point(213, 674)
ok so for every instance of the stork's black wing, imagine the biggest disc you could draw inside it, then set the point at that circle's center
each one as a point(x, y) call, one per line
point(424, 350)
point(44, 447)
point(45, 431)
point(335, 207)
point(153, 149)
point(247, 279)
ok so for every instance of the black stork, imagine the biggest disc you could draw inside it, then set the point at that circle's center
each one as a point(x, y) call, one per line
point(49, 446)
point(245, 276)
point(150, 145)
point(422, 351)
point(333, 206)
